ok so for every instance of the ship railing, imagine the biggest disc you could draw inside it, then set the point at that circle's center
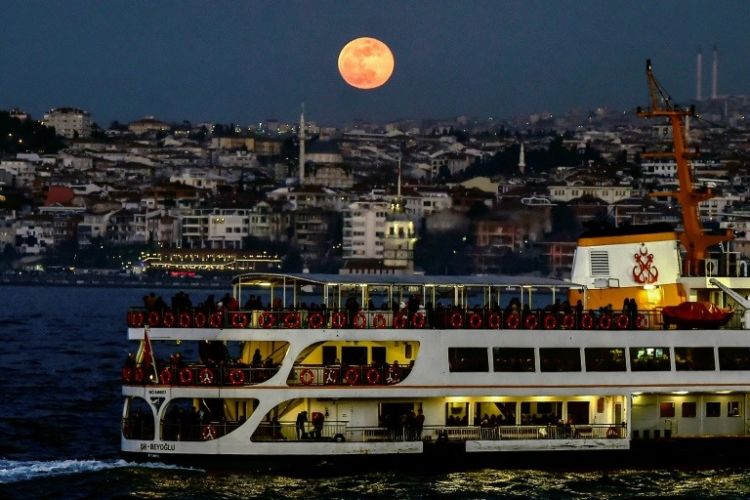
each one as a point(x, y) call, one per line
point(305, 431)
point(359, 375)
point(448, 318)
point(187, 428)
point(138, 427)
point(191, 375)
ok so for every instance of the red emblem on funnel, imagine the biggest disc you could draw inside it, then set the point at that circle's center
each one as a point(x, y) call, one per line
point(644, 271)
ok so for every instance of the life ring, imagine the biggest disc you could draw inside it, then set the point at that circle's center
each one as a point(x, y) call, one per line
point(612, 433)
point(641, 322)
point(622, 322)
point(457, 319)
point(214, 321)
point(153, 319)
point(168, 319)
point(359, 320)
point(292, 320)
point(185, 320)
point(399, 320)
point(513, 321)
point(605, 322)
point(139, 376)
point(206, 376)
point(378, 321)
point(240, 320)
point(569, 322)
point(137, 319)
point(165, 376)
point(127, 374)
point(338, 319)
point(306, 376)
point(418, 320)
point(531, 322)
point(236, 376)
point(373, 376)
point(550, 322)
point(267, 319)
point(352, 376)
point(475, 321)
point(186, 376)
point(315, 320)
point(199, 320)
point(494, 321)
point(587, 321)
point(208, 432)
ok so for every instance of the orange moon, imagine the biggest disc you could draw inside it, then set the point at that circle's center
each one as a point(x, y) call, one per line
point(366, 63)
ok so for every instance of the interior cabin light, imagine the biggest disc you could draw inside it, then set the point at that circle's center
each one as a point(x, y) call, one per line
point(680, 393)
point(723, 392)
point(649, 287)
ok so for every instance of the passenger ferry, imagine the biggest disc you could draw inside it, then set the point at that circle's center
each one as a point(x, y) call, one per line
point(644, 350)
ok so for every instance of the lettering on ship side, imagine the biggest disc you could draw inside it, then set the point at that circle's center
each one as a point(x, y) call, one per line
point(157, 447)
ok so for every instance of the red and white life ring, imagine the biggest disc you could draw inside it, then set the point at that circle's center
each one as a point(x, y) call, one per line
point(338, 319)
point(373, 376)
point(378, 321)
point(236, 376)
point(605, 322)
point(494, 321)
point(622, 322)
point(360, 320)
point(267, 319)
point(206, 376)
point(186, 376)
point(168, 319)
point(306, 376)
point(153, 319)
point(292, 320)
point(199, 320)
point(127, 374)
point(418, 320)
point(568, 322)
point(136, 319)
point(208, 432)
point(531, 322)
point(315, 320)
point(475, 320)
point(139, 375)
point(352, 376)
point(165, 376)
point(215, 320)
point(399, 320)
point(457, 319)
point(185, 320)
point(587, 321)
point(240, 320)
point(513, 321)
point(550, 322)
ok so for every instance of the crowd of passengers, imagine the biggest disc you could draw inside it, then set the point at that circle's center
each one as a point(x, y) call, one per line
point(407, 426)
point(438, 316)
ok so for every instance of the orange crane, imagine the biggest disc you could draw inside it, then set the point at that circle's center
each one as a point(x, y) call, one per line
point(693, 237)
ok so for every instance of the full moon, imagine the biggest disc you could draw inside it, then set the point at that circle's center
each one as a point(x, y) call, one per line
point(366, 63)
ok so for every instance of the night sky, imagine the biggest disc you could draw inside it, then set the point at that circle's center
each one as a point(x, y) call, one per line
point(250, 61)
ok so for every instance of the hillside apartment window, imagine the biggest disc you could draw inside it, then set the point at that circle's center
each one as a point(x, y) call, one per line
point(563, 359)
point(605, 359)
point(513, 359)
point(468, 359)
point(713, 409)
point(649, 359)
point(734, 358)
point(694, 358)
point(689, 409)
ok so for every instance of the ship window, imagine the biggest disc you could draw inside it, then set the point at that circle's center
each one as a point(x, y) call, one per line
point(649, 359)
point(713, 409)
point(733, 409)
point(605, 359)
point(599, 263)
point(513, 359)
point(689, 410)
point(560, 360)
point(734, 358)
point(468, 359)
point(354, 355)
point(666, 410)
point(694, 358)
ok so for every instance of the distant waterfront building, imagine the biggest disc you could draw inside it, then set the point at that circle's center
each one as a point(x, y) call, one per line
point(68, 122)
point(148, 124)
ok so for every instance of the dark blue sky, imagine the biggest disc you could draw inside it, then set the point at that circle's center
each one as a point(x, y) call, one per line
point(248, 61)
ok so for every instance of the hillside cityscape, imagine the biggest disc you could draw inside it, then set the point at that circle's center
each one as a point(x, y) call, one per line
point(457, 196)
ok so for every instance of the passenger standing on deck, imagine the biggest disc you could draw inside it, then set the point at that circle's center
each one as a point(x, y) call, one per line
point(419, 424)
point(301, 420)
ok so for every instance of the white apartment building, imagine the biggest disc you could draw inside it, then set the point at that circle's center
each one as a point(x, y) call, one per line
point(68, 122)
point(609, 194)
point(364, 230)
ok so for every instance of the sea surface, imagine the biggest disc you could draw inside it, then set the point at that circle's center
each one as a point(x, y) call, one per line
point(61, 349)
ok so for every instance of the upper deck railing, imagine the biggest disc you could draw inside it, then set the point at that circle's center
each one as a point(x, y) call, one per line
point(449, 318)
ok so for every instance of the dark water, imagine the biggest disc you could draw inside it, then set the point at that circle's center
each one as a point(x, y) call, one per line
point(60, 403)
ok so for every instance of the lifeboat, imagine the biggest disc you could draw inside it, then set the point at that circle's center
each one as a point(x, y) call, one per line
point(690, 315)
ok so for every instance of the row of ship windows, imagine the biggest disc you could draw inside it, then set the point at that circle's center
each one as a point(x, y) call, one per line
point(606, 359)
